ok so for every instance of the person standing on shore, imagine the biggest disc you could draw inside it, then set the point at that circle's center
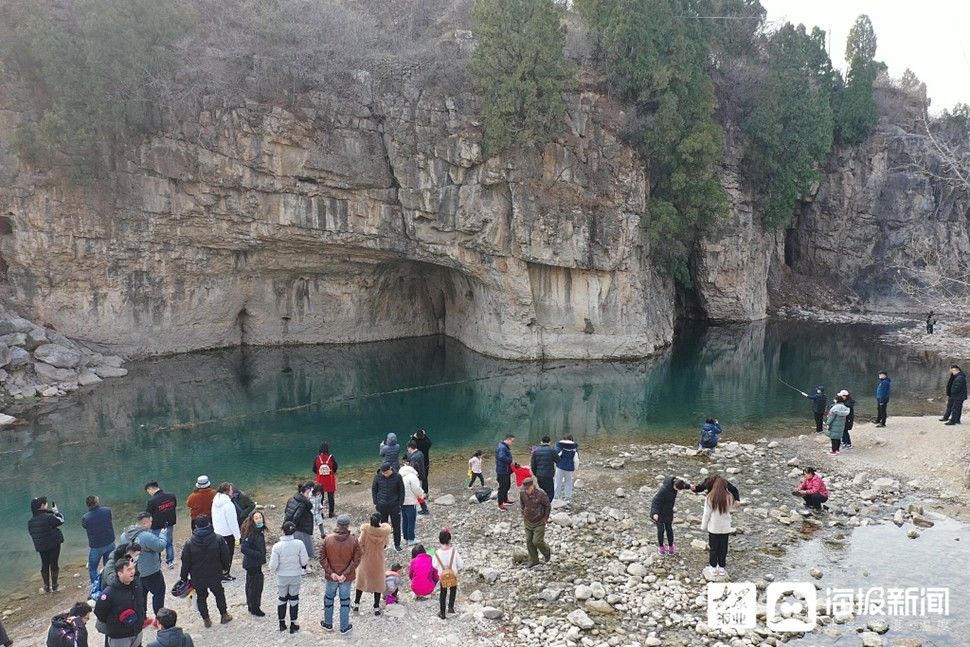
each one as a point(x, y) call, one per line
point(567, 462)
point(475, 469)
point(370, 574)
point(253, 549)
point(836, 423)
point(662, 512)
point(503, 470)
point(448, 563)
point(412, 494)
point(387, 493)
point(390, 451)
point(299, 510)
point(316, 500)
point(417, 461)
point(340, 556)
point(716, 520)
point(288, 561)
point(818, 406)
point(812, 489)
point(535, 514)
point(67, 628)
point(543, 464)
point(150, 559)
point(98, 525)
point(930, 322)
point(45, 531)
point(205, 557)
point(325, 474)
point(200, 501)
point(849, 419)
point(243, 502)
point(225, 523)
point(121, 607)
point(424, 446)
point(162, 506)
point(956, 395)
point(883, 392)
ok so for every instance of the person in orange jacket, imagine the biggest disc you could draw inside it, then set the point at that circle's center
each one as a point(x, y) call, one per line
point(200, 501)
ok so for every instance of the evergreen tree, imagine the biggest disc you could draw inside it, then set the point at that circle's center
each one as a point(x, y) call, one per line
point(856, 108)
point(519, 67)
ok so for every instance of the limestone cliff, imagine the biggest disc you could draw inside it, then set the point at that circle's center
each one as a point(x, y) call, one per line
point(352, 218)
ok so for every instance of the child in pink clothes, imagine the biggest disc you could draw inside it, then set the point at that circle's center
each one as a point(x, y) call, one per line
point(422, 573)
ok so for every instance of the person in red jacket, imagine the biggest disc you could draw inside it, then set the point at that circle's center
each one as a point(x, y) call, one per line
point(521, 473)
point(325, 469)
point(812, 489)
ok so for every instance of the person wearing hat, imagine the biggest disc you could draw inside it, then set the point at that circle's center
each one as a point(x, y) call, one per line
point(535, 514)
point(340, 556)
point(200, 501)
point(150, 559)
point(849, 419)
point(388, 493)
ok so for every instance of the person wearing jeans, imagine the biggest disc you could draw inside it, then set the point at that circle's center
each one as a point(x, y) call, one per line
point(567, 462)
point(97, 523)
point(412, 494)
point(503, 470)
point(162, 507)
point(387, 493)
point(883, 392)
point(340, 556)
point(150, 558)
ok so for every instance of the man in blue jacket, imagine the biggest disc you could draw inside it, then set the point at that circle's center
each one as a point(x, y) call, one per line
point(101, 535)
point(883, 392)
point(503, 470)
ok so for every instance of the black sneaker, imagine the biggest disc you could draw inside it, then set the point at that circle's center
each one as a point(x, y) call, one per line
point(294, 627)
point(347, 630)
point(326, 627)
point(377, 612)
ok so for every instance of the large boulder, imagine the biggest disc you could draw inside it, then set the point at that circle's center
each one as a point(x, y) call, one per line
point(57, 355)
point(52, 375)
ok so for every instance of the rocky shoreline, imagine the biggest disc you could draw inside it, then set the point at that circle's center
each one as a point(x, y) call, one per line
point(606, 585)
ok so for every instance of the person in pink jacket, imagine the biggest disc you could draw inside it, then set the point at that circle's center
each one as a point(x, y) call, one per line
point(422, 572)
point(812, 489)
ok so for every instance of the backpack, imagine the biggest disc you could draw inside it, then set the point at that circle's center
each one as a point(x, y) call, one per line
point(483, 494)
point(448, 578)
point(708, 436)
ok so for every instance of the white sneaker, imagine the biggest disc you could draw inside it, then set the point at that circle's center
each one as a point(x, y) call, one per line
point(720, 572)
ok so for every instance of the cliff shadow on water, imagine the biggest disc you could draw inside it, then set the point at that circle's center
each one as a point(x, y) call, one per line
point(254, 415)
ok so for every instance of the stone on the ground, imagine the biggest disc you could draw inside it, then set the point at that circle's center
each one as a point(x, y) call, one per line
point(620, 493)
point(549, 594)
point(921, 521)
point(18, 357)
point(6, 420)
point(698, 544)
point(87, 378)
point(599, 606)
point(870, 639)
point(899, 517)
point(580, 619)
point(110, 371)
point(792, 462)
point(884, 484)
point(597, 590)
point(490, 575)
point(616, 464)
point(878, 625)
point(636, 569)
point(476, 596)
point(816, 573)
point(492, 613)
point(913, 533)
point(582, 592)
point(51, 374)
point(56, 355)
point(448, 499)
point(49, 392)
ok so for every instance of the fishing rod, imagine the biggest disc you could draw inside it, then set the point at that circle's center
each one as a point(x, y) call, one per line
point(797, 390)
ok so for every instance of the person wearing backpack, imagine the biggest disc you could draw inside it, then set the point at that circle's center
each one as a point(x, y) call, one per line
point(710, 434)
point(67, 629)
point(325, 474)
point(169, 635)
point(448, 564)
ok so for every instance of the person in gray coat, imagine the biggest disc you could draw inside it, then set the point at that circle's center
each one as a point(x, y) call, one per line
point(390, 451)
point(836, 423)
point(288, 561)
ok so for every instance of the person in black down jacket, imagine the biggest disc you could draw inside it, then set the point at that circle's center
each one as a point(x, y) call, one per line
point(253, 548)
point(956, 395)
point(205, 557)
point(299, 510)
point(387, 492)
point(45, 529)
point(121, 607)
point(543, 466)
point(418, 461)
point(849, 419)
point(662, 512)
point(69, 628)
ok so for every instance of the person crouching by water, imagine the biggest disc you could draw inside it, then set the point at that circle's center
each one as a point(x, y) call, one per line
point(716, 520)
point(812, 489)
point(836, 423)
point(662, 512)
point(710, 434)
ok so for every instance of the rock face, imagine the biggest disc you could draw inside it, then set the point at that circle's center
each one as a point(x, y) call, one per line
point(351, 219)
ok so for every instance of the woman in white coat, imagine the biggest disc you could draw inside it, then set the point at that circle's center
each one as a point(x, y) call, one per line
point(225, 522)
point(717, 522)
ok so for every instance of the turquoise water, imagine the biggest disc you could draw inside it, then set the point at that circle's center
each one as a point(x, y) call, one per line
point(256, 414)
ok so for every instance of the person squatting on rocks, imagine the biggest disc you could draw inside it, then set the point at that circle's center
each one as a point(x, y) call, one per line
point(423, 441)
point(66, 630)
point(716, 520)
point(169, 635)
point(812, 489)
point(299, 510)
point(225, 523)
point(325, 474)
point(421, 573)
point(956, 395)
point(416, 460)
point(387, 493)
point(150, 560)
point(883, 392)
point(162, 506)
point(392, 583)
point(340, 556)
point(503, 469)
point(662, 512)
point(205, 557)
point(543, 464)
point(818, 406)
point(390, 451)
point(567, 462)
point(45, 531)
point(288, 561)
point(253, 549)
point(849, 419)
point(98, 525)
point(121, 607)
point(836, 423)
point(535, 514)
point(475, 469)
point(412, 494)
point(448, 563)
point(200, 501)
point(710, 434)
point(370, 572)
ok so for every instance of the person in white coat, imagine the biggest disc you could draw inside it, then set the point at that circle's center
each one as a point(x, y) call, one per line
point(413, 494)
point(288, 562)
point(225, 523)
point(717, 522)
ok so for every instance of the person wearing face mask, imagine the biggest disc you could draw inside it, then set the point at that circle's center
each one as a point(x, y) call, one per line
point(253, 548)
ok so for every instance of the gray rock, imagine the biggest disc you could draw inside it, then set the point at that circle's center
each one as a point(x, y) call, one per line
point(112, 360)
point(57, 355)
point(913, 533)
point(636, 569)
point(49, 392)
point(88, 378)
point(490, 575)
point(492, 613)
point(6, 354)
point(579, 618)
point(51, 375)
point(18, 357)
point(14, 339)
point(476, 596)
point(110, 371)
point(599, 606)
point(7, 327)
point(816, 573)
point(899, 517)
point(922, 522)
point(582, 592)
point(448, 499)
point(35, 337)
point(549, 594)
point(597, 590)
point(870, 639)
point(878, 625)
point(6, 420)
point(885, 485)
